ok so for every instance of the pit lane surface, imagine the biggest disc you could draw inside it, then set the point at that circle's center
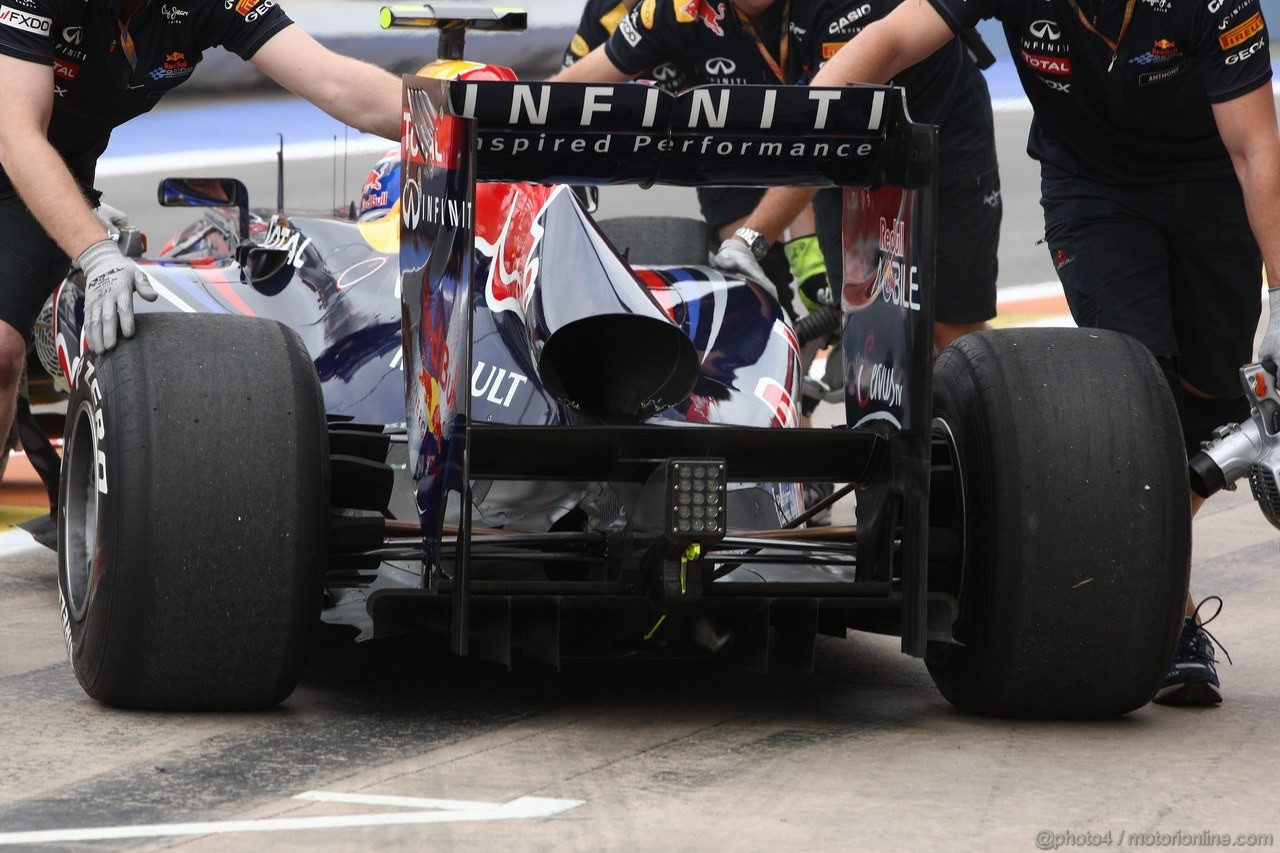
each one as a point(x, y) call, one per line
point(864, 754)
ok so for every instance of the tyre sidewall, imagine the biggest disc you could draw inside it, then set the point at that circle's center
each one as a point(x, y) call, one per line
point(86, 628)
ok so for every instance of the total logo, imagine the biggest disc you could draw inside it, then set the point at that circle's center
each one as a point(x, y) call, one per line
point(281, 237)
point(65, 70)
point(1059, 65)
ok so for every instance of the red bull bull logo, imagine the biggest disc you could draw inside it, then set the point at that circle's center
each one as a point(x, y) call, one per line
point(688, 11)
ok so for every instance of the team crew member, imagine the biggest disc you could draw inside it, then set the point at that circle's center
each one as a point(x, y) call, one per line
point(734, 42)
point(74, 70)
point(667, 53)
point(1160, 181)
point(599, 19)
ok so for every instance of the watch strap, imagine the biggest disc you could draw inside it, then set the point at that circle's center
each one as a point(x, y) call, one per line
point(755, 241)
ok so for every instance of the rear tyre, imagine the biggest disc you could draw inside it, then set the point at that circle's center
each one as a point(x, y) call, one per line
point(659, 240)
point(192, 517)
point(1076, 528)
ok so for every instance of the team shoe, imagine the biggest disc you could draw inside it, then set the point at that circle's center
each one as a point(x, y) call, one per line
point(1193, 678)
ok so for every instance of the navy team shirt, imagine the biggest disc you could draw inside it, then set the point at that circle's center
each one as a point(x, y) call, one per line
point(104, 75)
point(709, 44)
point(599, 19)
point(1148, 119)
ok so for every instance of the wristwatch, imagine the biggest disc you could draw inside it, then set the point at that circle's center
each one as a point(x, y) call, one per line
point(755, 241)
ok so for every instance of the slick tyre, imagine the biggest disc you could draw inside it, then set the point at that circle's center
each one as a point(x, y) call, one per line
point(193, 515)
point(1076, 525)
point(659, 240)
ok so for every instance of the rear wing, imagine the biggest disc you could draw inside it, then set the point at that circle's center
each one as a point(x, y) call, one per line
point(458, 132)
point(628, 133)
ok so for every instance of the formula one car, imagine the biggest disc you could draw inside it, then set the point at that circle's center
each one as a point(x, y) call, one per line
point(480, 416)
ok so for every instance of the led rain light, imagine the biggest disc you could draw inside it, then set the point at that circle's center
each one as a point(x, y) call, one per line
point(696, 494)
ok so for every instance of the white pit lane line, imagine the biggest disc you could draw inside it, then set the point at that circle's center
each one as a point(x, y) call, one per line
point(426, 811)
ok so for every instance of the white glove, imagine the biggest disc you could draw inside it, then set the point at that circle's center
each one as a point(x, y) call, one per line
point(736, 256)
point(112, 217)
point(1270, 346)
point(110, 280)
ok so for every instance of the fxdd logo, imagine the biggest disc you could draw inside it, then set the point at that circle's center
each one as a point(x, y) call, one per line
point(1045, 30)
point(20, 20)
point(720, 66)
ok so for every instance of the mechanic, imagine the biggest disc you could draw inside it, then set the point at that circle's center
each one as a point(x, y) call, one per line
point(731, 42)
point(660, 59)
point(1160, 182)
point(74, 70)
point(599, 19)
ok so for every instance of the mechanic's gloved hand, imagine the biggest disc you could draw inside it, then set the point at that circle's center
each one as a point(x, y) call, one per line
point(735, 256)
point(110, 280)
point(809, 269)
point(112, 217)
point(1270, 346)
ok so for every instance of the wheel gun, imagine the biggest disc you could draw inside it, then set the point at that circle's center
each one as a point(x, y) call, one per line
point(1250, 448)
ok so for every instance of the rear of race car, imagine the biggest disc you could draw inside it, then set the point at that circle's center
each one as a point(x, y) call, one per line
point(608, 345)
point(584, 439)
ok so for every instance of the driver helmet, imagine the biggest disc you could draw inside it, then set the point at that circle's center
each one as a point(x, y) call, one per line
point(381, 188)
